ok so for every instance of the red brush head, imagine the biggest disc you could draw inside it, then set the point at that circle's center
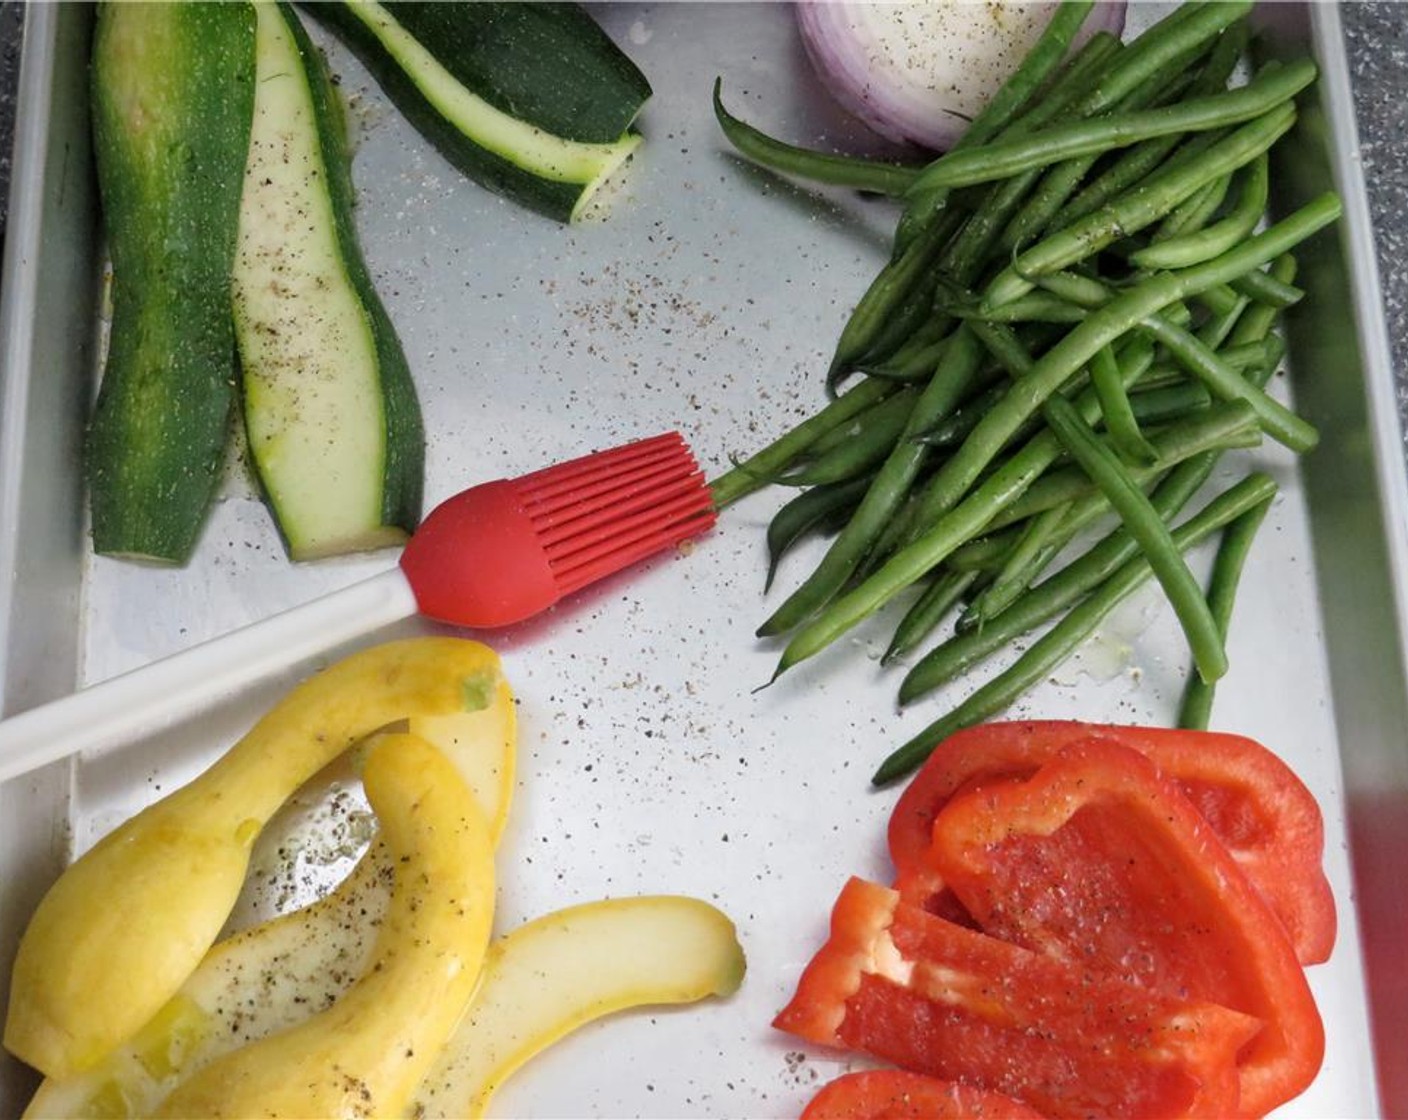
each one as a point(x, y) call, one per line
point(503, 551)
point(476, 560)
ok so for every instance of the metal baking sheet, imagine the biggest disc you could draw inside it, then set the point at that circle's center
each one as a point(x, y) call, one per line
point(701, 294)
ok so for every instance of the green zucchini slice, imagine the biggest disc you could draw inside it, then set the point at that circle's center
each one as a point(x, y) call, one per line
point(532, 100)
point(172, 95)
point(333, 426)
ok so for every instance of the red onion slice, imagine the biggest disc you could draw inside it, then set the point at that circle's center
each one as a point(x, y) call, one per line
point(916, 71)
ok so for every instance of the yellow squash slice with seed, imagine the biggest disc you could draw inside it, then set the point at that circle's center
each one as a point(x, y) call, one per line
point(565, 970)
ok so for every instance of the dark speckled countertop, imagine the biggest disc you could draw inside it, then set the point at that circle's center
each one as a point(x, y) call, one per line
point(1376, 38)
point(11, 27)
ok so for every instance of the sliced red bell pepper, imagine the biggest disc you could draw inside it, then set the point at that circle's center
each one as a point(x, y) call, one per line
point(1100, 859)
point(896, 1094)
point(1255, 803)
point(933, 997)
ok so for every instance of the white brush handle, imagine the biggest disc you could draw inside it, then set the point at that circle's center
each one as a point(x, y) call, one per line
point(162, 692)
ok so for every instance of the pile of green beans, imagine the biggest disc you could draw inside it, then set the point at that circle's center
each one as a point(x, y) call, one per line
point(1078, 318)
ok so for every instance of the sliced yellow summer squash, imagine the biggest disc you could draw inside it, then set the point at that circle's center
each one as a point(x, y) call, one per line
point(565, 970)
point(273, 975)
point(365, 1054)
point(123, 927)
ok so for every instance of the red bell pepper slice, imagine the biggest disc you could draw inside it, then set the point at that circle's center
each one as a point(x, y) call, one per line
point(933, 997)
point(896, 1094)
point(1100, 859)
point(1261, 811)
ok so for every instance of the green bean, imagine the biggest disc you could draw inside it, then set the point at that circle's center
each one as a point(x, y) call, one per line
point(974, 243)
point(980, 238)
point(1252, 347)
point(1275, 347)
point(1037, 532)
point(890, 288)
point(996, 496)
point(1034, 307)
point(1167, 402)
point(1054, 190)
point(1061, 362)
point(1256, 322)
point(1012, 203)
point(982, 554)
point(1120, 420)
point(1105, 470)
point(930, 609)
point(1139, 207)
point(1148, 529)
point(1249, 355)
point(1039, 63)
point(1195, 709)
point(1276, 420)
point(1114, 402)
point(1088, 293)
point(1200, 464)
point(1014, 572)
point(990, 386)
point(1257, 285)
point(1005, 346)
point(1222, 300)
point(912, 313)
point(1005, 419)
point(809, 511)
point(1139, 161)
point(1072, 83)
point(1175, 35)
point(950, 384)
point(759, 469)
point(1218, 427)
point(862, 449)
point(1058, 183)
point(1164, 402)
point(842, 434)
point(956, 425)
point(1001, 159)
point(906, 366)
point(1214, 331)
point(1198, 430)
point(1242, 357)
point(1206, 243)
point(1083, 291)
point(1082, 513)
point(820, 167)
point(1048, 599)
point(1052, 596)
point(1195, 212)
point(917, 355)
point(957, 525)
point(1063, 638)
point(914, 561)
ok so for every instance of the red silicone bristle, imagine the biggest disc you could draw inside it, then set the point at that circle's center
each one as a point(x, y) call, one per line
point(606, 534)
point(579, 571)
point(598, 514)
point(604, 504)
point(594, 485)
point(551, 481)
